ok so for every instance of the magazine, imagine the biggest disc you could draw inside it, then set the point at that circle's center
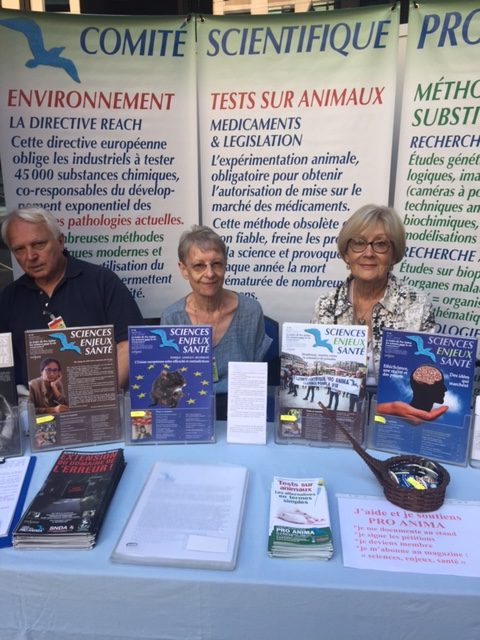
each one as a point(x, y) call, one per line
point(171, 384)
point(424, 395)
point(322, 365)
point(70, 508)
point(73, 386)
point(187, 515)
point(299, 519)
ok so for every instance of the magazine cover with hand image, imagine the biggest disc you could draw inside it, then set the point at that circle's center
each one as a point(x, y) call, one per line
point(424, 395)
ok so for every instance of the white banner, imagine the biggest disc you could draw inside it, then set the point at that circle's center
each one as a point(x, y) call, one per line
point(296, 121)
point(98, 125)
point(438, 178)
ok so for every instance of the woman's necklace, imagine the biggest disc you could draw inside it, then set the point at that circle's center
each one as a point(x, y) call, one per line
point(362, 313)
point(366, 317)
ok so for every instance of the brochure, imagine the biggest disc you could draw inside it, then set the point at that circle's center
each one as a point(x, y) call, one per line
point(171, 384)
point(69, 509)
point(8, 388)
point(322, 365)
point(73, 387)
point(424, 395)
point(187, 515)
point(15, 474)
point(299, 519)
point(247, 403)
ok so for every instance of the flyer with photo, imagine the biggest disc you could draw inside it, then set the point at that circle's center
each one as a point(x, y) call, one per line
point(322, 367)
point(424, 395)
point(171, 384)
point(73, 385)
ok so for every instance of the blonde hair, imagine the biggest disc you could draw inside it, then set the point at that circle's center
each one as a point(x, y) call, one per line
point(368, 216)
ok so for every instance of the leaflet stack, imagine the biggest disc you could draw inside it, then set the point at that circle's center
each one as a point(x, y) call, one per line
point(299, 519)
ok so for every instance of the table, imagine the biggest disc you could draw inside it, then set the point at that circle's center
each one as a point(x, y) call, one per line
point(77, 595)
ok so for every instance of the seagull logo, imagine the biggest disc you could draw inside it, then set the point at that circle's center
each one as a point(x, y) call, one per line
point(65, 344)
point(316, 333)
point(421, 350)
point(41, 56)
point(165, 342)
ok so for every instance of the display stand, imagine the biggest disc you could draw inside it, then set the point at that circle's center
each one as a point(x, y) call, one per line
point(423, 404)
point(154, 425)
point(312, 427)
point(11, 435)
point(475, 445)
point(73, 385)
point(11, 442)
point(170, 396)
point(425, 439)
point(321, 365)
point(76, 428)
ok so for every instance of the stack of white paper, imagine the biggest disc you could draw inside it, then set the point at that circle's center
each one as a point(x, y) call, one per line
point(186, 515)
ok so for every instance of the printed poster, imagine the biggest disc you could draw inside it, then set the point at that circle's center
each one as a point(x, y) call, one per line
point(377, 535)
point(424, 395)
point(171, 384)
point(323, 376)
point(73, 384)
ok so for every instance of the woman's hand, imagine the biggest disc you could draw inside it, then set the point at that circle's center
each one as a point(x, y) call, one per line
point(54, 385)
point(60, 408)
point(409, 413)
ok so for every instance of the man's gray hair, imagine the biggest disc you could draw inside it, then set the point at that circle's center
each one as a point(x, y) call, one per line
point(33, 215)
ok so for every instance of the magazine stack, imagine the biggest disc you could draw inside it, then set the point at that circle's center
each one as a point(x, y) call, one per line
point(69, 509)
point(299, 519)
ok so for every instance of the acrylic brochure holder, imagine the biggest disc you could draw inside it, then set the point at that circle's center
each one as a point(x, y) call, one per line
point(440, 441)
point(423, 403)
point(11, 435)
point(163, 425)
point(321, 365)
point(308, 425)
point(170, 397)
point(79, 428)
point(475, 444)
point(73, 386)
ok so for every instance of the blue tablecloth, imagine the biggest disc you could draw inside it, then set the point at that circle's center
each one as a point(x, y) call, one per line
point(75, 595)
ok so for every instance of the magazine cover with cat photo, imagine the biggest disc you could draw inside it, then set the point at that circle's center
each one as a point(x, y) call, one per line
point(171, 385)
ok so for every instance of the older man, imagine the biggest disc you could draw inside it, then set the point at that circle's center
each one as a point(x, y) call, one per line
point(57, 285)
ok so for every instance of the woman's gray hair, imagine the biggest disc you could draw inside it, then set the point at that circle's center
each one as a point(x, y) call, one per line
point(202, 237)
point(368, 216)
point(33, 215)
